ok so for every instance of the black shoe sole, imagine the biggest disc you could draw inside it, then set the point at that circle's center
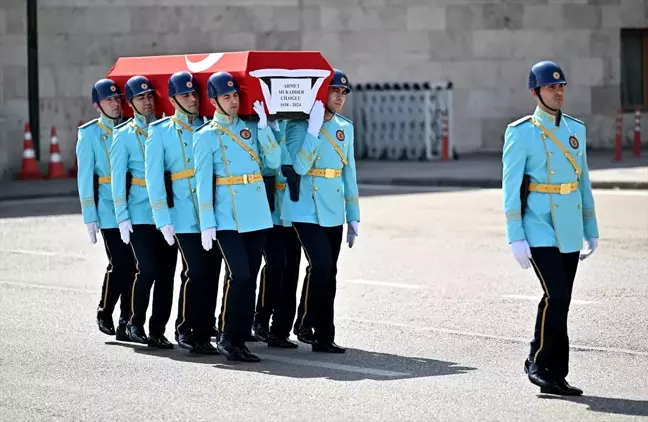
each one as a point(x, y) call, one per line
point(107, 331)
point(539, 383)
point(283, 345)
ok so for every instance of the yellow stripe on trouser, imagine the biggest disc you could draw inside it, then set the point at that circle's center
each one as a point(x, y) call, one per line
point(544, 312)
point(563, 188)
point(184, 174)
point(137, 181)
point(137, 273)
point(308, 275)
point(227, 288)
point(184, 290)
point(105, 299)
point(239, 180)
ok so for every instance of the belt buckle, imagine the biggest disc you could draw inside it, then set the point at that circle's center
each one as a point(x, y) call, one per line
point(329, 173)
point(565, 188)
point(245, 179)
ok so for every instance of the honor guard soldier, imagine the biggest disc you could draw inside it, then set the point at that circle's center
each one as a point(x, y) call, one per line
point(282, 254)
point(94, 180)
point(321, 151)
point(155, 259)
point(549, 210)
point(172, 191)
point(234, 211)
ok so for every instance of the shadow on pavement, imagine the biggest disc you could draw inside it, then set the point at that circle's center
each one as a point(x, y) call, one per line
point(355, 365)
point(607, 404)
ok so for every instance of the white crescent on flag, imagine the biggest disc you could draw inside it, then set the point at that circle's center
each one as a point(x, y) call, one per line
point(204, 64)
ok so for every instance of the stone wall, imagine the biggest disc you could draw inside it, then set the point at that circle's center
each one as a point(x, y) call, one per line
point(484, 46)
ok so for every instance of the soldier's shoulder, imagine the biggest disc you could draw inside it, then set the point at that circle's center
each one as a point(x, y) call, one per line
point(160, 121)
point(89, 124)
point(344, 120)
point(203, 128)
point(520, 121)
point(161, 124)
point(122, 125)
point(567, 116)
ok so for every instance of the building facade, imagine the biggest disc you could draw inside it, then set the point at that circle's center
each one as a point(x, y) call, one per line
point(485, 47)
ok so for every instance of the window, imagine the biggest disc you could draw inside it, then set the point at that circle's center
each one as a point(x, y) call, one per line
point(634, 68)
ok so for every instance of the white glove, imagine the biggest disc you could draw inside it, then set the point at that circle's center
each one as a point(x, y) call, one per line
point(125, 229)
point(522, 253)
point(352, 232)
point(274, 125)
point(316, 119)
point(592, 244)
point(168, 232)
point(208, 236)
point(93, 229)
point(260, 111)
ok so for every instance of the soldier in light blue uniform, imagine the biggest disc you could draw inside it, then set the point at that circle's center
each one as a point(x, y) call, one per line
point(154, 258)
point(549, 210)
point(282, 254)
point(234, 210)
point(322, 154)
point(172, 192)
point(94, 181)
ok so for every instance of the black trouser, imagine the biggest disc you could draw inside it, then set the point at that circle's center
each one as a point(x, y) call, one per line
point(242, 254)
point(279, 278)
point(156, 262)
point(199, 287)
point(119, 277)
point(556, 272)
point(322, 248)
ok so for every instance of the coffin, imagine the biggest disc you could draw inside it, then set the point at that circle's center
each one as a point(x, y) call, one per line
point(288, 82)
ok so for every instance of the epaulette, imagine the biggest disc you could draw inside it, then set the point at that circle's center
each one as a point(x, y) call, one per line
point(91, 122)
point(157, 122)
point(574, 119)
point(344, 118)
point(122, 124)
point(521, 120)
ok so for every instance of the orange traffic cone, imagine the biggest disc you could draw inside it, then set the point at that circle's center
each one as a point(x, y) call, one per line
point(29, 165)
point(73, 171)
point(56, 170)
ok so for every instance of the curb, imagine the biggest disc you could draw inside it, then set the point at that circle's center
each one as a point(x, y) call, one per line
point(489, 183)
point(49, 195)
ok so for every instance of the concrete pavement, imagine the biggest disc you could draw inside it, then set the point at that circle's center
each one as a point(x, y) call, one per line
point(433, 308)
point(481, 171)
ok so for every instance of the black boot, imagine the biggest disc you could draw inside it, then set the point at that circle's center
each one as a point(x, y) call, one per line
point(106, 325)
point(281, 342)
point(136, 334)
point(159, 342)
point(327, 347)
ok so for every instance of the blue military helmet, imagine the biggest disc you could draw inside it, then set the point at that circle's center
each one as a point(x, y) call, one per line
point(221, 83)
point(138, 85)
point(181, 83)
point(340, 80)
point(104, 88)
point(545, 73)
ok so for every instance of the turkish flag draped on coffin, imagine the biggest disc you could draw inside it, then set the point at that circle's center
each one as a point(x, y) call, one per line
point(288, 82)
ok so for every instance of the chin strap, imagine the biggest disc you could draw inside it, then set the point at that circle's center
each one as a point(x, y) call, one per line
point(555, 110)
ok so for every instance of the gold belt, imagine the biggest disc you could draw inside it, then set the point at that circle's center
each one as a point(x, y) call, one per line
point(104, 180)
point(184, 174)
point(137, 181)
point(239, 180)
point(326, 173)
point(280, 186)
point(563, 188)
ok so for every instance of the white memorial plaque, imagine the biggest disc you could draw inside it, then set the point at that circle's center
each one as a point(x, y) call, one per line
point(291, 90)
point(290, 95)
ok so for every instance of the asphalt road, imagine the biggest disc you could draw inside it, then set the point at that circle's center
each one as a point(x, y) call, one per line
point(433, 308)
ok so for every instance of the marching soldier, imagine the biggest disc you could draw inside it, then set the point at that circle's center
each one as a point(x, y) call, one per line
point(282, 254)
point(322, 154)
point(172, 191)
point(234, 209)
point(92, 150)
point(549, 210)
point(155, 259)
